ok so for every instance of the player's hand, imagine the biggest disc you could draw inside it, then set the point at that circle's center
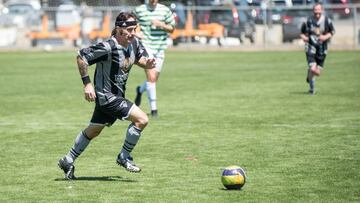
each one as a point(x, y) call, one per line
point(157, 24)
point(150, 63)
point(323, 38)
point(89, 92)
point(305, 39)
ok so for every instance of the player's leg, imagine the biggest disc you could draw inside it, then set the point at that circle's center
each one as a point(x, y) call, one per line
point(315, 70)
point(81, 142)
point(139, 121)
point(310, 78)
point(149, 86)
point(98, 121)
point(320, 59)
point(152, 77)
point(144, 86)
point(122, 108)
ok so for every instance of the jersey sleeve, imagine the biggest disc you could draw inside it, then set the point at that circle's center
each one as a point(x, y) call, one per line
point(330, 28)
point(304, 28)
point(95, 53)
point(140, 51)
point(169, 18)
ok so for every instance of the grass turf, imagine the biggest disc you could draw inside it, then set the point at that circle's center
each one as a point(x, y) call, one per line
point(216, 109)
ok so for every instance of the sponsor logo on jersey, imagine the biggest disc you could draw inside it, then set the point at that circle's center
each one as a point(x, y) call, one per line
point(123, 104)
point(121, 79)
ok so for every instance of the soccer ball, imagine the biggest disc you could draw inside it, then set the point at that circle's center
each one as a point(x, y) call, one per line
point(233, 178)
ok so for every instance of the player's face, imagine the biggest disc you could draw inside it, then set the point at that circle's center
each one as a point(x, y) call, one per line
point(318, 11)
point(153, 2)
point(126, 34)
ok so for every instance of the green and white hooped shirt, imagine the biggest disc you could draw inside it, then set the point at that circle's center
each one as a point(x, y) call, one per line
point(154, 38)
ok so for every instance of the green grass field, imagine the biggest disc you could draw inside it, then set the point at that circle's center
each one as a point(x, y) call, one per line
point(216, 109)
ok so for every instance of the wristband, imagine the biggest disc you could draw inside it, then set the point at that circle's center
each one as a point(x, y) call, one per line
point(86, 80)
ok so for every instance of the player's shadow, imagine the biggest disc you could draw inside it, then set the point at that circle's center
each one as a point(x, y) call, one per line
point(300, 93)
point(98, 178)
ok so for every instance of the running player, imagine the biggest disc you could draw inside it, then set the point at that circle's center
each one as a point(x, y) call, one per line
point(114, 59)
point(316, 33)
point(156, 21)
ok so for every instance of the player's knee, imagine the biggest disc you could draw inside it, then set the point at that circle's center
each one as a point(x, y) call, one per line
point(142, 121)
point(93, 131)
point(152, 76)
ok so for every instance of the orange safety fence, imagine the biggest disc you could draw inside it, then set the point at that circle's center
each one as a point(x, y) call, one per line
point(102, 33)
point(206, 30)
point(69, 32)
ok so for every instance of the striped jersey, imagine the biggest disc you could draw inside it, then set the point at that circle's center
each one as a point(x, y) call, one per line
point(154, 38)
point(113, 64)
point(313, 28)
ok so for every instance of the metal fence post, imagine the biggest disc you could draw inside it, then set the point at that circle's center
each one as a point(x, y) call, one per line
point(264, 8)
point(356, 32)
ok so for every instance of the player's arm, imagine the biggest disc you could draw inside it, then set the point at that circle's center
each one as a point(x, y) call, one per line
point(303, 33)
point(168, 24)
point(142, 58)
point(162, 25)
point(89, 91)
point(325, 37)
point(304, 37)
point(87, 57)
point(330, 31)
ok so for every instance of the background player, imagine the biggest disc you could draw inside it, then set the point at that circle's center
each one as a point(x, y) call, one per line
point(156, 21)
point(316, 33)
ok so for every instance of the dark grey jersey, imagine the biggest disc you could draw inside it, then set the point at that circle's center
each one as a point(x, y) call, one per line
point(113, 64)
point(313, 28)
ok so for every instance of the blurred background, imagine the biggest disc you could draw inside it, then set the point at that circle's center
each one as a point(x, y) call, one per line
point(232, 24)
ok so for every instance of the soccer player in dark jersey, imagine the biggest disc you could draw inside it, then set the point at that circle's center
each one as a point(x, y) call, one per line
point(114, 59)
point(316, 33)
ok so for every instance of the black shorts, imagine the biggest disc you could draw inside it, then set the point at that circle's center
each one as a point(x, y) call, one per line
point(315, 58)
point(316, 54)
point(119, 108)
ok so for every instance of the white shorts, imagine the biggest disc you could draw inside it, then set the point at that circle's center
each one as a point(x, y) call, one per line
point(159, 56)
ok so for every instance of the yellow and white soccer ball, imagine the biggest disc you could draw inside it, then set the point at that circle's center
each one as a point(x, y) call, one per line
point(233, 177)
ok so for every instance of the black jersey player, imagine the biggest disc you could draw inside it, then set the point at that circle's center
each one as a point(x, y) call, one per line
point(114, 59)
point(316, 33)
